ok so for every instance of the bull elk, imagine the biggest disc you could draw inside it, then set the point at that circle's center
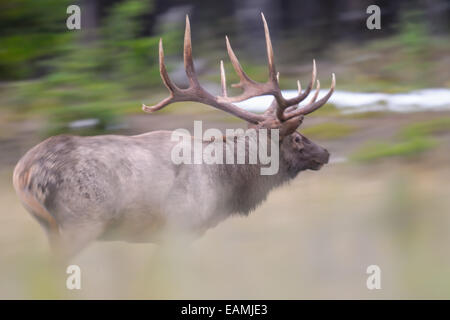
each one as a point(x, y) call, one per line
point(113, 187)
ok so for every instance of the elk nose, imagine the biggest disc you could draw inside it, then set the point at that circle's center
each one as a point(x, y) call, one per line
point(325, 157)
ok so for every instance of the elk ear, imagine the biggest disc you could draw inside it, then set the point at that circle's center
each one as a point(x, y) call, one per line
point(290, 126)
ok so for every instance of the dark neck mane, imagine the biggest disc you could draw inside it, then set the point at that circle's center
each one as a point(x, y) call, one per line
point(242, 185)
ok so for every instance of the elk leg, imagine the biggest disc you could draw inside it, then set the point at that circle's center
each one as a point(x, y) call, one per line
point(73, 238)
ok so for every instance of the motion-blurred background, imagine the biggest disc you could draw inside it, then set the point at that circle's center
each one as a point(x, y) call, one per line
point(384, 199)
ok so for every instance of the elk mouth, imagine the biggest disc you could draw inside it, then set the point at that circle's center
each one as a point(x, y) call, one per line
point(316, 165)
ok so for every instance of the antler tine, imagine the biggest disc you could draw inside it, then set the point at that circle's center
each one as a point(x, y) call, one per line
point(187, 54)
point(252, 88)
point(295, 106)
point(167, 82)
point(301, 96)
point(314, 98)
point(163, 71)
point(313, 106)
point(274, 105)
point(290, 105)
point(244, 79)
point(271, 87)
point(195, 92)
point(223, 80)
point(299, 91)
point(272, 71)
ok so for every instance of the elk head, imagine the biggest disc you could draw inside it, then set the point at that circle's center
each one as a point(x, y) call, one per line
point(297, 152)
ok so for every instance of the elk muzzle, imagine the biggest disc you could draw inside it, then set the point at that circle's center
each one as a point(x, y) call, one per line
point(322, 158)
point(317, 155)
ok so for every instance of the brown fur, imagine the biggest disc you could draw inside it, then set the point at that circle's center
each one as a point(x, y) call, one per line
point(83, 189)
point(22, 185)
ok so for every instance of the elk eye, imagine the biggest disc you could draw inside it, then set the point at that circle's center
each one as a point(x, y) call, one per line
point(297, 139)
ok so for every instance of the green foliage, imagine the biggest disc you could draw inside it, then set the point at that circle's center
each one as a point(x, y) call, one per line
point(365, 115)
point(328, 109)
point(328, 130)
point(128, 56)
point(408, 148)
point(60, 117)
point(413, 33)
point(31, 32)
point(416, 139)
point(426, 128)
point(93, 78)
point(413, 60)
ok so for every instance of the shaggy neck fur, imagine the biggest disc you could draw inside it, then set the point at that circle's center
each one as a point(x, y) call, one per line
point(242, 185)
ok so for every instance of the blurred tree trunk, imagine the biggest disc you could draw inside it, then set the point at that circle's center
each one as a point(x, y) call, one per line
point(437, 14)
point(248, 18)
point(89, 21)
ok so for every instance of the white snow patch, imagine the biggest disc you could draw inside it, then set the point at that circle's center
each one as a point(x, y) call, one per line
point(353, 102)
point(84, 123)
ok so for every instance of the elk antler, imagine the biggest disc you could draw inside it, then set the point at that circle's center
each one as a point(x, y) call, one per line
point(194, 92)
point(283, 108)
point(271, 87)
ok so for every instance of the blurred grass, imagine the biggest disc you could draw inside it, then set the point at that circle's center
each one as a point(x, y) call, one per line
point(328, 130)
point(328, 109)
point(365, 115)
point(378, 149)
point(426, 128)
point(415, 139)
